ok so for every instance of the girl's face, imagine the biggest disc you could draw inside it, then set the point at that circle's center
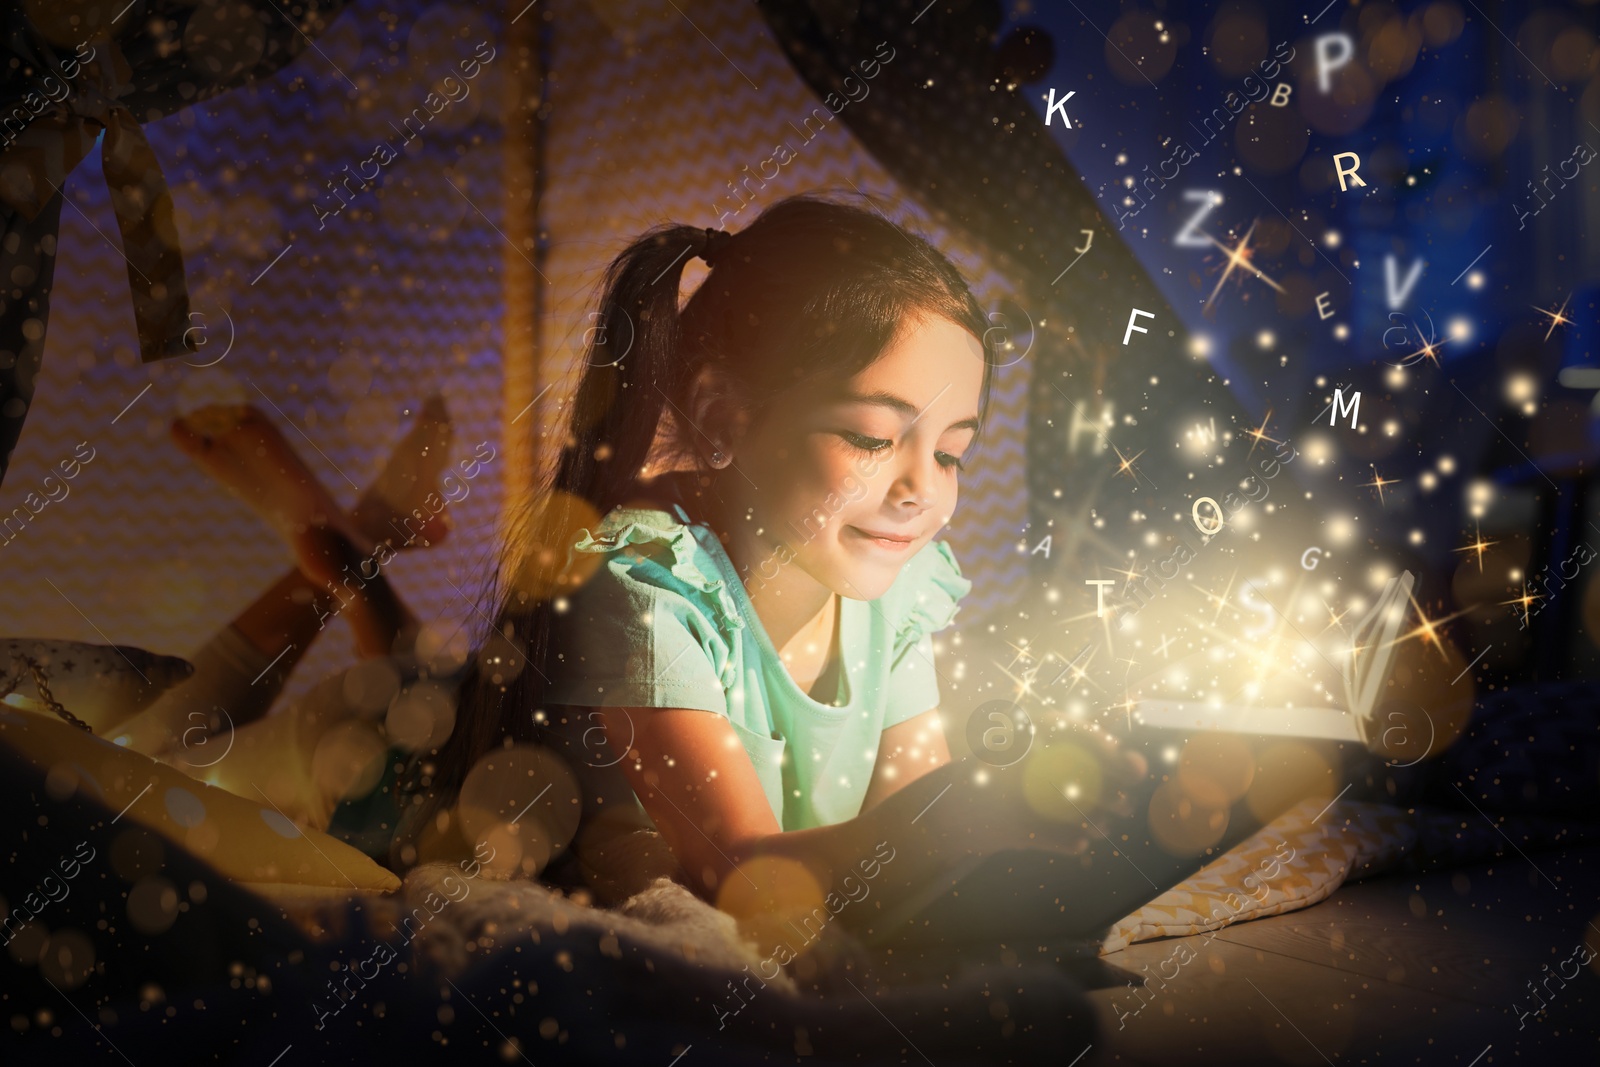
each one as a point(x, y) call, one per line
point(855, 480)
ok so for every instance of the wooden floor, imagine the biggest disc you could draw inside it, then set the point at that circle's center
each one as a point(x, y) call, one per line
point(1424, 969)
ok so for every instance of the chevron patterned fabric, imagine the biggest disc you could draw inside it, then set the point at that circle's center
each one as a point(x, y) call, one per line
point(340, 331)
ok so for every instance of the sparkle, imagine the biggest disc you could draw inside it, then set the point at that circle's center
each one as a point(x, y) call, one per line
point(1022, 654)
point(1478, 546)
point(1524, 601)
point(1260, 435)
point(1378, 482)
point(1428, 629)
point(1222, 601)
point(1024, 684)
point(1557, 318)
point(1079, 672)
point(1126, 466)
point(1430, 346)
point(1166, 642)
point(1127, 704)
point(1238, 256)
point(1428, 351)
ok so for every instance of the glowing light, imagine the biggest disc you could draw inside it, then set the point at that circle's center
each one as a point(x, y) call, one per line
point(1260, 434)
point(1480, 495)
point(1557, 318)
point(1239, 256)
point(1521, 387)
point(1478, 545)
point(1126, 466)
point(1427, 629)
point(1459, 329)
point(1341, 332)
point(1222, 601)
point(1199, 346)
point(1266, 338)
point(1524, 600)
point(1428, 480)
point(1331, 238)
point(1447, 465)
point(1430, 349)
point(1475, 280)
point(1378, 482)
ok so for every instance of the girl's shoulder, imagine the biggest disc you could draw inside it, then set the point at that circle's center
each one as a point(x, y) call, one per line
point(926, 594)
point(649, 551)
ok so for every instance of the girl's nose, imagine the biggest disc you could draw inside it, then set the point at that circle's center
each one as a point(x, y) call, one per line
point(915, 489)
point(917, 501)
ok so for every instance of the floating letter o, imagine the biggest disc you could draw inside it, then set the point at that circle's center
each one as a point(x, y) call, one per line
point(1194, 513)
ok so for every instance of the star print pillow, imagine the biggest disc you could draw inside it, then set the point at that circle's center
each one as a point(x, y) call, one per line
point(101, 684)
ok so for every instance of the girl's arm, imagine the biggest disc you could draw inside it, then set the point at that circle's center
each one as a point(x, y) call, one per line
point(697, 783)
point(906, 752)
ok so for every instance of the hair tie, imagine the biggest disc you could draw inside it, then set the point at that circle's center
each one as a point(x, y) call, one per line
point(712, 244)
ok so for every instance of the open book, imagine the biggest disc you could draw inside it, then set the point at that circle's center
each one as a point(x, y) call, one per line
point(1372, 649)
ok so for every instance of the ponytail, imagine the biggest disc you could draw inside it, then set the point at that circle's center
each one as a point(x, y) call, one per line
point(619, 402)
point(616, 414)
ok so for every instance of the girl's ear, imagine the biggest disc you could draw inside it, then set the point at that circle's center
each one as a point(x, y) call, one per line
point(717, 413)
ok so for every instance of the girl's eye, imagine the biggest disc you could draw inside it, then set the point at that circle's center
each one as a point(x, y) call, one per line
point(865, 443)
point(878, 444)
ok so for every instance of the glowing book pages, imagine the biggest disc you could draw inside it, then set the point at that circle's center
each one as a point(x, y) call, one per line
point(1372, 649)
point(1372, 652)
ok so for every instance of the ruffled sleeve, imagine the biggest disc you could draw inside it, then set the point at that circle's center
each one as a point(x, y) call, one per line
point(651, 627)
point(927, 603)
point(662, 544)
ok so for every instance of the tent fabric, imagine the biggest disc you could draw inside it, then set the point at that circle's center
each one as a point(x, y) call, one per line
point(57, 98)
point(337, 333)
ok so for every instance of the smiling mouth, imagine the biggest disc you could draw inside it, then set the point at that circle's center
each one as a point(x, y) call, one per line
point(893, 544)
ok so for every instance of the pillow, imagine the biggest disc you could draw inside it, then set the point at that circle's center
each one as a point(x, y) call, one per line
point(100, 684)
point(240, 838)
point(1294, 861)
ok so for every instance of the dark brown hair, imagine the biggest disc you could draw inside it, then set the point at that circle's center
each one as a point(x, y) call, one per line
point(813, 290)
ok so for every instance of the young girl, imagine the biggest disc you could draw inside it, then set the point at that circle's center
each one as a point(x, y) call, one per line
point(721, 609)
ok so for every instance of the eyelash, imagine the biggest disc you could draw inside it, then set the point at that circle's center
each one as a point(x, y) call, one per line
point(878, 444)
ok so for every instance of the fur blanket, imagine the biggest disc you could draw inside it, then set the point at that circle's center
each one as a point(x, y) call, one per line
point(664, 972)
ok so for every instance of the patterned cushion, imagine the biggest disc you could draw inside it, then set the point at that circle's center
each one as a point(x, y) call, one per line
point(1300, 858)
point(1295, 860)
point(100, 684)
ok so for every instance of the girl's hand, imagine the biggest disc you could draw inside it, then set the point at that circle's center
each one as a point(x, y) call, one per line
point(1057, 798)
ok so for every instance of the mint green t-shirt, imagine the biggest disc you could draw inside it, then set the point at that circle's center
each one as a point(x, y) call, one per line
point(665, 622)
